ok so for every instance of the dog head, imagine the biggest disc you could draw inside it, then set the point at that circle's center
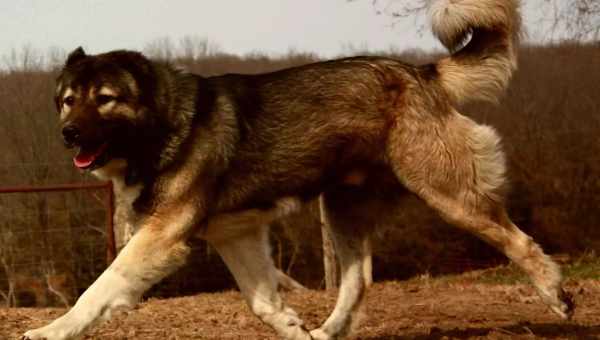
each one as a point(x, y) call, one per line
point(104, 102)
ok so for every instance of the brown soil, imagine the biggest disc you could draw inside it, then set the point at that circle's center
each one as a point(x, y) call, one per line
point(420, 309)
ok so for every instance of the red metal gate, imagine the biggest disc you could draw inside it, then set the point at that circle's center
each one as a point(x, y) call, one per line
point(109, 202)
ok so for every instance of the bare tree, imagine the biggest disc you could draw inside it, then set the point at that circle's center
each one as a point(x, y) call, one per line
point(195, 47)
point(7, 261)
point(189, 48)
point(60, 284)
point(161, 48)
point(575, 19)
point(398, 8)
point(569, 19)
point(27, 59)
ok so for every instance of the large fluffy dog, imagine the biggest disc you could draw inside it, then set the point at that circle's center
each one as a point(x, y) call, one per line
point(223, 156)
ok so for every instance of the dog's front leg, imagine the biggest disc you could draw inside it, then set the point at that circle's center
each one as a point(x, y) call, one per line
point(247, 257)
point(155, 251)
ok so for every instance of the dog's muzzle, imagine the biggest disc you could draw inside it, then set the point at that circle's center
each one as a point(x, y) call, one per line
point(71, 135)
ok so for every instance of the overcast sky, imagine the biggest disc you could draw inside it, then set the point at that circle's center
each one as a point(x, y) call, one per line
point(325, 27)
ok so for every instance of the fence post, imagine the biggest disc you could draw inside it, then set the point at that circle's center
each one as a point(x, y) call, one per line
point(111, 248)
point(329, 259)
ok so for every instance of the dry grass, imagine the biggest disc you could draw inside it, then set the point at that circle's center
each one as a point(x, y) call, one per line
point(424, 308)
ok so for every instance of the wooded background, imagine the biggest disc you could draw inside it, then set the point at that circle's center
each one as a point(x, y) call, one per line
point(549, 120)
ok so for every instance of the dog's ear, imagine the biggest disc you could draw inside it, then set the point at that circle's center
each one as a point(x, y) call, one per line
point(75, 56)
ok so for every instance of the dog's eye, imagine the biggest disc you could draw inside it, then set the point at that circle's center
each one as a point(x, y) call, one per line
point(69, 100)
point(104, 98)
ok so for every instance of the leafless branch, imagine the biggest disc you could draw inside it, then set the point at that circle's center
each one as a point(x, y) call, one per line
point(569, 19)
point(399, 10)
point(575, 19)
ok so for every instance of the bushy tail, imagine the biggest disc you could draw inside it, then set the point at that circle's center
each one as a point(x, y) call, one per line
point(482, 68)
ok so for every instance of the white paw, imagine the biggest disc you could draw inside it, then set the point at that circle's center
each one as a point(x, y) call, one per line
point(288, 325)
point(33, 335)
point(292, 318)
point(44, 334)
point(318, 334)
point(63, 328)
point(559, 301)
point(564, 307)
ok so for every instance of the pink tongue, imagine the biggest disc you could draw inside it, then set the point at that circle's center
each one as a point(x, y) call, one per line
point(85, 158)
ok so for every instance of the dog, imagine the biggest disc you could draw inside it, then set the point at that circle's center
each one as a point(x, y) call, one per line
point(224, 156)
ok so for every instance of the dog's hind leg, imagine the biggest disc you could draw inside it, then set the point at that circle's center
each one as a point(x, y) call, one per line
point(457, 168)
point(248, 258)
point(349, 222)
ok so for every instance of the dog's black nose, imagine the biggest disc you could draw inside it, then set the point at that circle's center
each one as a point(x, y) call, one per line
point(71, 134)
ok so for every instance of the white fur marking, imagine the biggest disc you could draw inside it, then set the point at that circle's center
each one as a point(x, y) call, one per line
point(489, 159)
point(107, 91)
point(125, 195)
point(106, 107)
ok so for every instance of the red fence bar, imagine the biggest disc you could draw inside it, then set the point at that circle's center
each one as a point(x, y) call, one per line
point(58, 187)
point(111, 249)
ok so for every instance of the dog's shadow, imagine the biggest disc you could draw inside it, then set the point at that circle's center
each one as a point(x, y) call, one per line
point(543, 330)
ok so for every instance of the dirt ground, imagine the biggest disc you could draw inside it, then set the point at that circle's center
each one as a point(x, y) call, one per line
point(418, 309)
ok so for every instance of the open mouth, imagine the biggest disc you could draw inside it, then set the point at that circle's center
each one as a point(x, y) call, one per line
point(89, 157)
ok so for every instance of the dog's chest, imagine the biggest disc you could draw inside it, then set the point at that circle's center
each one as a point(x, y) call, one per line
point(125, 217)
